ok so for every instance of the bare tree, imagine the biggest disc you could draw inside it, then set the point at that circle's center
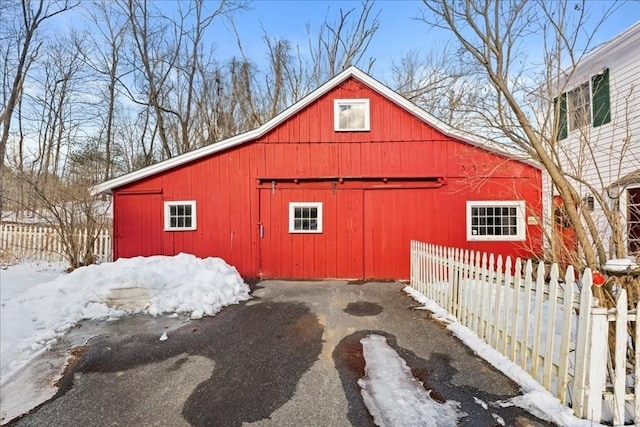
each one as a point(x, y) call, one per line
point(493, 36)
point(293, 71)
point(103, 53)
point(343, 42)
point(444, 90)
point(20, 48)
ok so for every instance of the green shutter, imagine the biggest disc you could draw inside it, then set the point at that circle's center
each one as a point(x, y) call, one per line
point(600, 98)
point(561, 122)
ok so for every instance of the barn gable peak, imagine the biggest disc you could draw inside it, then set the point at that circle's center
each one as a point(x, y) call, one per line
point(247, 137)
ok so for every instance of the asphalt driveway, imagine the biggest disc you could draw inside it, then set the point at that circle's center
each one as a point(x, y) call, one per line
point(291, 356)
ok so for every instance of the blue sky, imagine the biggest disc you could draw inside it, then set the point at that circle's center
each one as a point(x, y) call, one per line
point(399, 31)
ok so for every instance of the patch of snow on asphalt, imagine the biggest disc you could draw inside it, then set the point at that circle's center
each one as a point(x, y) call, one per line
point(394, 396)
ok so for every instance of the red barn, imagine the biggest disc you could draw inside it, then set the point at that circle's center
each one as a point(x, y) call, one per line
point(335, 186)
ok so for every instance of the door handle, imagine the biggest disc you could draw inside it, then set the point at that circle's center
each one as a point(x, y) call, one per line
point(261, 230)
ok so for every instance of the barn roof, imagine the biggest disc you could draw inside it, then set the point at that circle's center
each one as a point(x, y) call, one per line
point(246, 137)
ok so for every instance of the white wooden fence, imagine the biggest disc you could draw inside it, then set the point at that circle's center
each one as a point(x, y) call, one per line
point(554, 328)
point(20, 242)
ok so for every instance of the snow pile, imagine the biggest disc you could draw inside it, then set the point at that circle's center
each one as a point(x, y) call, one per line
point(34, 316)
point(394, 396)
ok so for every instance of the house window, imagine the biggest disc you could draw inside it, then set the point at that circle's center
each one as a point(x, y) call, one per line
point(579, 107)
point(180, 215)
point(493, 220)
point(587, 104)
point(305, 217)
point(351, 115)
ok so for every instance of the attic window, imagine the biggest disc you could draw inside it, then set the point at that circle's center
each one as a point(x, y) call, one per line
point(351, 115)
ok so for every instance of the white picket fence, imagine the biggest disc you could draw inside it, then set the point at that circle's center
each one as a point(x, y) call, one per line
point(554, 329)
point(19, 242)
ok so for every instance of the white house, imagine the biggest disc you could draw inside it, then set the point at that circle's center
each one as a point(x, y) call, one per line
point(599, 134)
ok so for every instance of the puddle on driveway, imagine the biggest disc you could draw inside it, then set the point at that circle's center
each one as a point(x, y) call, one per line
point(363, 308)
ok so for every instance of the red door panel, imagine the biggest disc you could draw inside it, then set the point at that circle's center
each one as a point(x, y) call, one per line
point(139, 225)
point(392, 218)
point(334, 253)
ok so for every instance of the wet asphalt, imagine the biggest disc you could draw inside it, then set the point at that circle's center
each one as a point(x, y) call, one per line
point(291, 356)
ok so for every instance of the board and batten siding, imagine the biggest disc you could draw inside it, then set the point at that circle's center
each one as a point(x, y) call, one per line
point(613, 151)
point(403, 179)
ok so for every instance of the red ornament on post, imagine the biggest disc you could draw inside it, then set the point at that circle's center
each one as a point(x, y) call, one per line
point(598, 278)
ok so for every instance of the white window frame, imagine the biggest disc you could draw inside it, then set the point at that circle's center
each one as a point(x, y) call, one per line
point(292, 208)
point(520, 222)
point(337, 103)
point(167, 215)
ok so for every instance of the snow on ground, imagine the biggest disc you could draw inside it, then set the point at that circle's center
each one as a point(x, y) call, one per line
point(535, 399)
point(34, 315)
point(394, 396)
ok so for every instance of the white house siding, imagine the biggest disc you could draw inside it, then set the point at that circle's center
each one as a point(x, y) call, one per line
point(613, 151)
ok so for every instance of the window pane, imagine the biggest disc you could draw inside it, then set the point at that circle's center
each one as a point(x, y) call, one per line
point(173, 222)
point(305, 217)
point(351, 116)
point(579, 106)
point(187, 222)
point(187, 210)
point(180, 221)
point(173, 210)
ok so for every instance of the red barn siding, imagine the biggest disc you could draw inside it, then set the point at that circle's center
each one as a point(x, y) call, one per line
point(367, 222)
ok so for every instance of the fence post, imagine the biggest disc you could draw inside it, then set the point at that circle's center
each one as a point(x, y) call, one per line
point(596, 369)
point(579, 401)
point(620, 359)
point(565, 340)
